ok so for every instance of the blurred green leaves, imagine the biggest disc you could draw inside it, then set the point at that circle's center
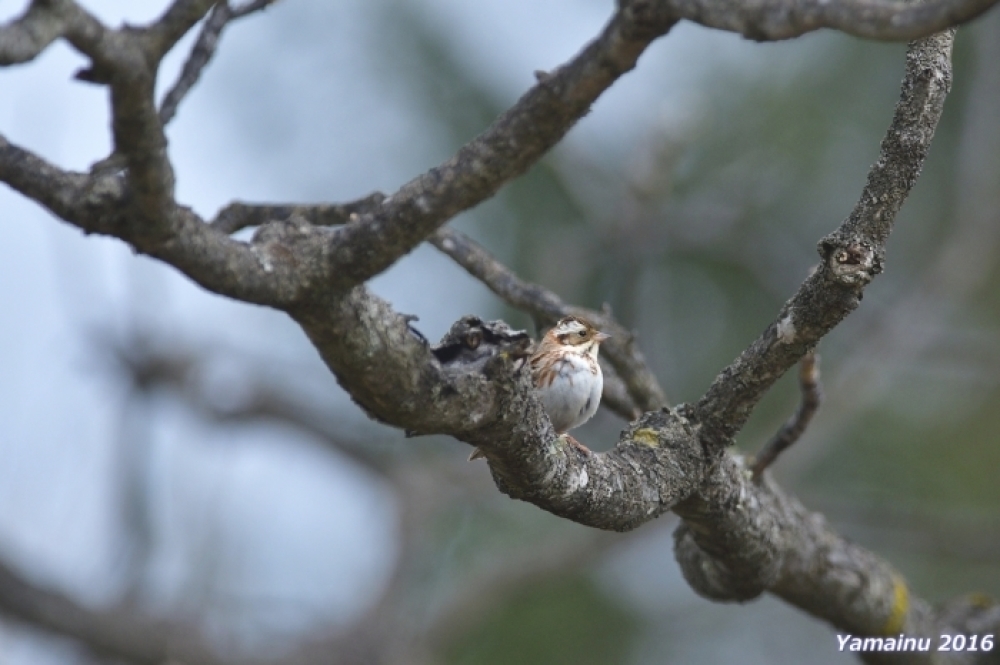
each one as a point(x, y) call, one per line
point(564, 621)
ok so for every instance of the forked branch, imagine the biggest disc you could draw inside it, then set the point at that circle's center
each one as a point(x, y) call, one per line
point(739, 538)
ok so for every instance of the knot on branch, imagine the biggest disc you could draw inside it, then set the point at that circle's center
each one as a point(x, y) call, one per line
point(852, 262)
point(277, 243)
point(717, 578)
point(728, 546)
point(669, 439)
point(103, 193)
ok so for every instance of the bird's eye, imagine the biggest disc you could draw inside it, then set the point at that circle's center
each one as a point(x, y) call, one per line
point(582, 333)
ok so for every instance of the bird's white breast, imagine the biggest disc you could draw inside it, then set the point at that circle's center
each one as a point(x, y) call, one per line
point(574, 394)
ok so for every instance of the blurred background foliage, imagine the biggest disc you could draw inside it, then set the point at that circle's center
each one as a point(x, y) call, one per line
point(694, 220)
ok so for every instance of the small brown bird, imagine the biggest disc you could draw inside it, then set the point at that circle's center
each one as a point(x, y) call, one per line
point(567, 376)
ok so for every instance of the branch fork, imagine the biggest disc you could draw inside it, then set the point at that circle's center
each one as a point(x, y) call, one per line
point(740, 537)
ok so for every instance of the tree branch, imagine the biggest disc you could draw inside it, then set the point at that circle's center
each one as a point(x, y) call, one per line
point(265, 272)
point(887, 20)
point(796, 425)
point(739, 538)
point(383, 231)
point(120, 633)
point(203, 50)
point(25, 37)
point(489, 403)
point(515, 141)
point(621, 351)
point(47, 20)
point(852, 255)
point(238, 216)
point(167, 30)
point(351, 254)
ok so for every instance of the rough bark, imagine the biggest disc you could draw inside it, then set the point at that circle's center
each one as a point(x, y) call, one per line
point(739, 537)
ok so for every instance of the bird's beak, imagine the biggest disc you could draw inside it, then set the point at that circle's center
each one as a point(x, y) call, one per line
point(600, 336)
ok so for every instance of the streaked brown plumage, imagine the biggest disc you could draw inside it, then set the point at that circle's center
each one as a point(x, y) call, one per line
point(567, 376)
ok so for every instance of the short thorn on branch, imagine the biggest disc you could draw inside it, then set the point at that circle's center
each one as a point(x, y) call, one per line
point(794, 427)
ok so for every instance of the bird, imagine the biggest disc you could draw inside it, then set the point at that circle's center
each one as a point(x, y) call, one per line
point(567, 376)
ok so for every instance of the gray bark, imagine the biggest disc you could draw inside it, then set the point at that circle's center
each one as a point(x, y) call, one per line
point(739, 537)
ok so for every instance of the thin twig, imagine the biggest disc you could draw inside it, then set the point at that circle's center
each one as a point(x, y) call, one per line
point(202, 52)
point(793, 428)
point(621, 350)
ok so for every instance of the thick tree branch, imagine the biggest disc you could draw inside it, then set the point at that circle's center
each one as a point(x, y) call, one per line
point(25, 37)
point(852, 255)
point(39, 180)
point(238, 216)
point(621, 351)
point(47, 20)
point(393, 375)
point(794, 554)
point(266, 271)
point(888, 20)
point(145, 215)
point(739, 538)
point(515, 141)
point(180, 17)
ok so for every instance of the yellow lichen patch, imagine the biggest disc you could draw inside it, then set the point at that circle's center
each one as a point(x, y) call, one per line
point(981, 600)
point(647, 437)
point(900, 607)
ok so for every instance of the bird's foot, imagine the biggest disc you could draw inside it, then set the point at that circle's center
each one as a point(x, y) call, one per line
point(576, 444)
